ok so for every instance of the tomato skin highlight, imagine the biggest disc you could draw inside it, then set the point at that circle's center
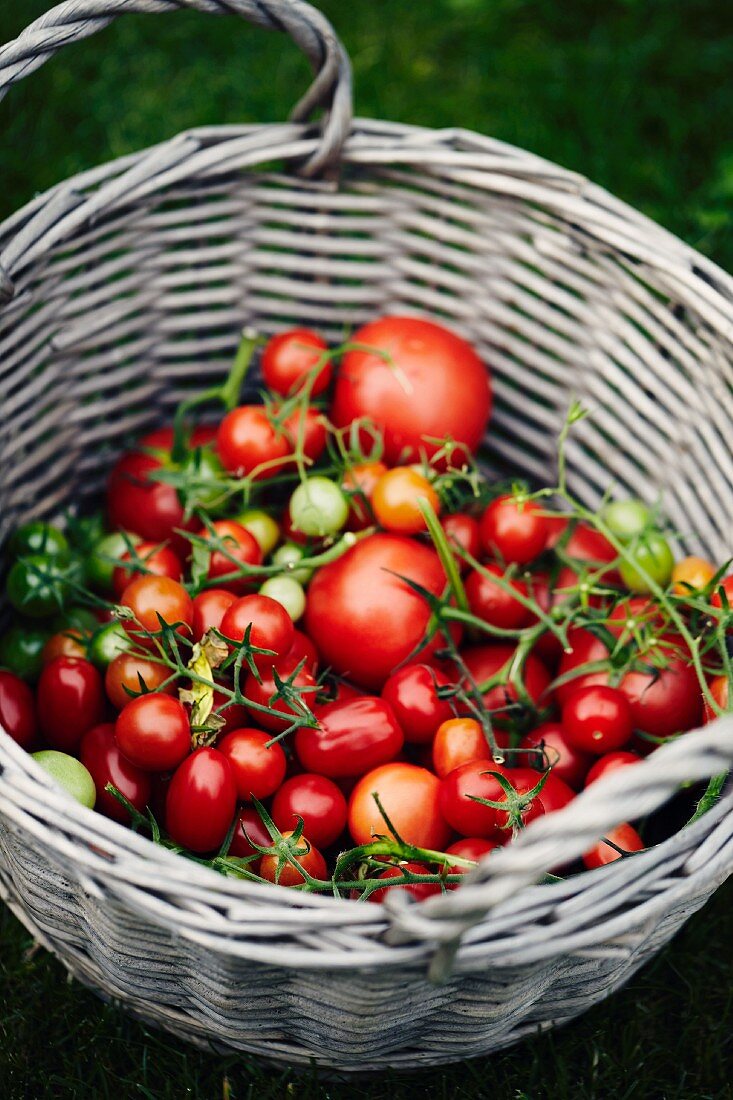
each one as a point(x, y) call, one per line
point(256, 769)
point(352, 737)
point(17, 709)
point(100, 754)
point(153, 732)
point(70, 701)
point(412, 693)
point(409, 794)
point(318, 801)
point(201, 801)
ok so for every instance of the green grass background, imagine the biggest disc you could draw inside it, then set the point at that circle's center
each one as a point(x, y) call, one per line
point(637, 95)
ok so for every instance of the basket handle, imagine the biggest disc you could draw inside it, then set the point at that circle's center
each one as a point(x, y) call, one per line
point(624, 795)
point(331, 88)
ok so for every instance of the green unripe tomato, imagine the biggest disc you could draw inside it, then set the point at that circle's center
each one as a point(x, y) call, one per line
point(70, 774)
point(21, 650)
point(99, 568)
point(318, 507)
point(108, 642)
point(289, 555)
point(38, 585)
point(262, 527)
point(626, 519)
point(206, 473)
point(288, 592)
point(40, 538)
point(652, 554)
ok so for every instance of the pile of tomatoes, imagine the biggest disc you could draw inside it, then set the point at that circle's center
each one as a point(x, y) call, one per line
point(312, 643)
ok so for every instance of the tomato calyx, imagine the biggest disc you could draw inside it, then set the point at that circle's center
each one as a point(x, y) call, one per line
point(516, 804)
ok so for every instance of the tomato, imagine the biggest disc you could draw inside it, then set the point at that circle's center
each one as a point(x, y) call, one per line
point(719, 691)
point(129, 675)
point(486, 661)
point(664, 701)
point(21, 650)
point(351, 738)
point(70, 701)
point(458, 741)
point(626, 519)
point(397, 497)
point(555, 793)
point(154, 598)
point(416, 890)
point(289, 362)
point(597, 719)
point(279, 714)
point(463, 532)
point(308, 857)
point(359, 483)
point(632, 614)
point(67, 643)
point(727, 586)
point(691, 574)
point(514, 530)
point(611, 762)
point(201, 801)
point(99, 567)
point(270, 627)
point(208, 610)
point(650, 554)
point(409, 796)
point(235, 715)
point(492, 603)
point(623, 836)
point(262, 526)
point(38, 585)
point(412, 693)
point(69, 773)
point(100, 754)
point(239, 549)
point(38, 537)
point(427, 384)
point(250, 827)
point(153, 732)
point(148, 508)
point(160, 561)
point(471, 847)
point(17, 709)
point(257, 769)
point(567, 761)
point(308, 429)
point(318, 507)
point(287, 592)
point(302, 648)
point(583, 648)
point(362, 616)
point(249, 445)
point(590, 547)
point(474, 780)
point(317, 801)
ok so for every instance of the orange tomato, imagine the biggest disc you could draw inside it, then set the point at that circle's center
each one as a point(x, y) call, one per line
point(359, 483)
point(458, 741)
point(396, 498)
point(691, 574)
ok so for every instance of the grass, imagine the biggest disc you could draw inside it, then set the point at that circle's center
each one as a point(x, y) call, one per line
point(635, 94)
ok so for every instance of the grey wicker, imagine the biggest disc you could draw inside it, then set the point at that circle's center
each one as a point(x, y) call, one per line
point(126, 287)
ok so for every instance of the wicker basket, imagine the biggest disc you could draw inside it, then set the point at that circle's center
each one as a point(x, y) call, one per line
point(126, 287)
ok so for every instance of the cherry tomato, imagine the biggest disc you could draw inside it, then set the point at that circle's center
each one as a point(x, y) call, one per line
point(318, 507)
point(458, 741)
point(471, 847)
point(623, 836)
point(412, 693)
point(249, 445)
point(242, 549)
point(208, 610)
point(129, 675)
point(270, 627)
point(474, 780)
point(235, 715)
point(100, 754)
point(258, 769)
point(397, 497)
point(201, 801)
point(719, 691)
point(262, 526)
point(317, 801)
point(250, 827)
point(514, 530)
point(492, 603)
point(21, 650)
point(286, 874)
point(70, 701)
point(302, 648)
point(359, 483)
point(567, 761)
point(289, 361)
point(146, 507)
point(38, 537)
point(153, 732)
point(486, 661)
point(651, 554)
point(351, 738)
point(38, 585)
point(691, 574)
point(279, 714)
point(463, 531)
point(590, 547)
point(67, 643)
point(555, 793)
point(583, 648)
point(417, 890)
point(108, 642)
point(426, 384)
point(362, 616)
point(626, 519)
point(665, 701)
point(409, 795)
point(611, 762)
point(727, 586)
point(160, 561)
point(17, 709)
point(597, 719)
point(69, 774)
point(308, 430)
point(154, 598)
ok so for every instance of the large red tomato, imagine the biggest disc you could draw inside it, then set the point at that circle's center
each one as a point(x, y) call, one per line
point(364, 619)
point(430, 385)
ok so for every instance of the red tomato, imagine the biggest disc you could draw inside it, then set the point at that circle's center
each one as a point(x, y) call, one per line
point(492, 603)
point(257, 769)
point(351, 738)
point(208, 610)
point(611, 762)
point(458, 741)
point(568, 762)
point(665, 701)
point(432, 386)
point(623, 836)
point(70, 701)
point(719, 691)
point(412, 693)
point(142, 506)
point(101, 756)
point(17, 709)
point(727, 586)
point(279, 714)
point(311, 861)
point(153, 598)
point(486, 661)
point(289, 360)
point(153, 732)
point(471, 847)
point(514, 530)
point(417, 890)
point(201, 801)
point(359, 483)
point(242, 549)
point(317, 801)
point(633, 612)
point(235, 715)
point(249, 445)
point(269, 625)
point(250, 827)
point(590, 546)
point(474, 780)
point(302, 648)
point(463, 531)
point(584, 648)
point(128, 675)
point(409, 795)
point(555, 793)
point(363, 618)
point(311, 425)
point(67, 643)
point(597, 719)
point(160, 561)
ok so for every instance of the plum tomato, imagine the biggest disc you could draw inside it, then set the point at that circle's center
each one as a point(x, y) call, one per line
point(289, 362)
point(358, 484)
point(317, 801)
point(623, 836)
point(490, 601)
point(463, 532)
point(154, 598)
point(129, 675)
point(249, 827)
point(258, 768)
point(153, 732)
point(239, 550)
point(100, 754)
point(456, 742)
point(278, 715)
point(201, 801)
point(351, 738)
point(208, 610)
point(286, 874)
point(514, 530)
point(412, 693)
point(409, 795)
point(486, 661)
point(250, 445)
point(397, 497)
point(70, 701)
point(159, 561)
point(17, 709)
point(597, 719)
point(270, 627)
point(460, 788)
point(611, 762)
point(416, 890)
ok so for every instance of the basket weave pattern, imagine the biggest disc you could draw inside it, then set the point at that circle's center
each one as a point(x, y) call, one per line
point(124, 289)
